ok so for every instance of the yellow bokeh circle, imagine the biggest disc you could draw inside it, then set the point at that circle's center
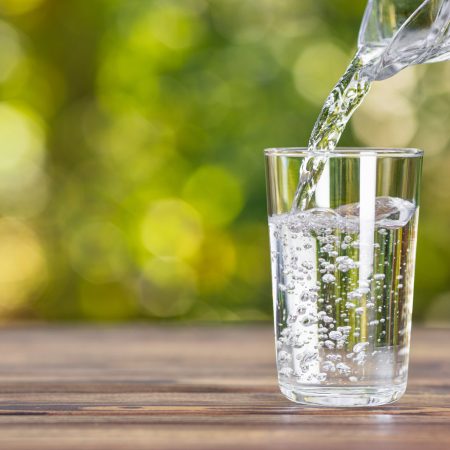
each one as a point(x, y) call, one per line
point(13, 7)
point(172, 228)
point(23, 267)
point(216, 193)
point(317, 70)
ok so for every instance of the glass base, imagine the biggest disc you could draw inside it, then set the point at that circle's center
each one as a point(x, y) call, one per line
point(341, 397)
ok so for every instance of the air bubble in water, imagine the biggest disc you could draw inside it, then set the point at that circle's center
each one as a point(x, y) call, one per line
point(345, 263)
point(343, 369)
point(328, 278)
point(344, 329)
point(359, 347)
point(335, 335)
point(284, 357)
point(286, 371)
point(328, 366)
point(360, 358)
point(322, 376)
point(308, 321)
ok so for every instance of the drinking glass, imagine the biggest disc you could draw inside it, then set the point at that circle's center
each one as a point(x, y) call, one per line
point(343, 274)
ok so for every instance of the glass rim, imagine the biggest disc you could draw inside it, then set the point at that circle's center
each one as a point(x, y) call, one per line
point(346, 152)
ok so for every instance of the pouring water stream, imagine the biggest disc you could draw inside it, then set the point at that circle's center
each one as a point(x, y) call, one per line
point(393, 35)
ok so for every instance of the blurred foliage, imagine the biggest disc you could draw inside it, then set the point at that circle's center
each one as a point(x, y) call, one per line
point(131, 168)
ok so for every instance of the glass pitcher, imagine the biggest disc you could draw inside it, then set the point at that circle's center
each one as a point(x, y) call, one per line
point(398, 33)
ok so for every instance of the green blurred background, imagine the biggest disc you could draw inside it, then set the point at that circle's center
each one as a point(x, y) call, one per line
point(131, 167)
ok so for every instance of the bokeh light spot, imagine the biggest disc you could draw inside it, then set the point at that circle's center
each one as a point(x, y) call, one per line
point(172, 228)
point(168, 288)
point(23, 184)
point(175, 26)
point(215, 193)
point(22, 138)
point(387, 117)
point(317, 70)
point(23, 267)
point(14, 7)
point(10, 50)
point(24, 196)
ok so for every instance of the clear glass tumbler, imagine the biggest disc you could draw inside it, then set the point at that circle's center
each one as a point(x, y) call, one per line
point(343, 274)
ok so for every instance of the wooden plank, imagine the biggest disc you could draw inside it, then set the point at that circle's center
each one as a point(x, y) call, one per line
point(204, 387)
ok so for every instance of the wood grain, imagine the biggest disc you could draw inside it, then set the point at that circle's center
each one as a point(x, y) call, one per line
point(143, 387)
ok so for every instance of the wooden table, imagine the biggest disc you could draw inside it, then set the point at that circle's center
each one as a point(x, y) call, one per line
point(145, 387)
